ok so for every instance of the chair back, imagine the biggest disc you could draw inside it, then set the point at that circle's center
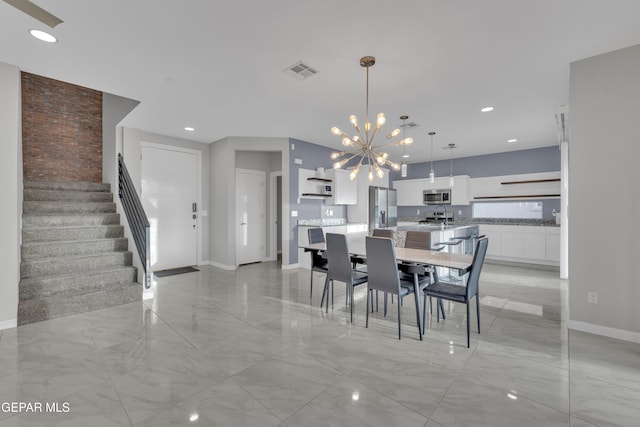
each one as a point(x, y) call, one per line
point(476, 267)
point(315, 235)
point(382, 265)
point(338, 257)
point(418, 240)
point(382, 232)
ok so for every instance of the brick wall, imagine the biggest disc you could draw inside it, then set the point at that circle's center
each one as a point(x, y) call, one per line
point(61, 131)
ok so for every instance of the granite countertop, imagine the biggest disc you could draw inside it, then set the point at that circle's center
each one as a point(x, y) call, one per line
point(494, 221)
point(326, 222)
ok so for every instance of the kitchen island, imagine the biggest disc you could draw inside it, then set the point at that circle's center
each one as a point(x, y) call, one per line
point(455, 238)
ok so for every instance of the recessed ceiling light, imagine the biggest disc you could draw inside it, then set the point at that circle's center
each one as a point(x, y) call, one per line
point(512, 140)
point(406, 156)
point(189, 129)
point(43, 36)
point(486, 109)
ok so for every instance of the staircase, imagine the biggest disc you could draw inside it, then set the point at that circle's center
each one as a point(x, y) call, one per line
point(74, 253)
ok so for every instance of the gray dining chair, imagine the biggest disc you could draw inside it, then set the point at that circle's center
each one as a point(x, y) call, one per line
point(383, 232)
point(340, 268)
point(384, 276)
point(319, 260)
point(462, 293)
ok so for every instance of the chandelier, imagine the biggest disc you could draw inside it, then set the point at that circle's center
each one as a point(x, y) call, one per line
point(360, 146)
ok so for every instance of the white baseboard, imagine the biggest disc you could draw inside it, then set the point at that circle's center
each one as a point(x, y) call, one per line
point(290, 266)
point(8, 324)
point(619, 334)
point(222, 266)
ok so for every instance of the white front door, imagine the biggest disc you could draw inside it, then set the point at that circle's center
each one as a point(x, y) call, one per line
point(169, 192)
point(250, 216)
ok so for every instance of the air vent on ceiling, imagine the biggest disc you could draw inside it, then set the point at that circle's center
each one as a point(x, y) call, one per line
point(409, 125)
point(300, 70)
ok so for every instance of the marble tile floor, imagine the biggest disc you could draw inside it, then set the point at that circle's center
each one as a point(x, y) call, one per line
point(249, 348)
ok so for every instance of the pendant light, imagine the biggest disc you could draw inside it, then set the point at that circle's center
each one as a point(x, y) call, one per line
point(450, 147)
point(432, 175)
point(403, 166)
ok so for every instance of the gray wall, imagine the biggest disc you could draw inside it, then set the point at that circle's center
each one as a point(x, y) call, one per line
point(604, 151)
point(222, 193)
point(11, 190)
point(546, 159)
point(313, 156)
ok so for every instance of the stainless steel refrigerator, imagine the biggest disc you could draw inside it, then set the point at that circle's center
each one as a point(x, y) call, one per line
point(383, 208)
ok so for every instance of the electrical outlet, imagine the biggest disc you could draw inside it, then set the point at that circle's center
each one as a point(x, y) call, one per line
point(592, 297)
point(459, 213)
point(417, 211)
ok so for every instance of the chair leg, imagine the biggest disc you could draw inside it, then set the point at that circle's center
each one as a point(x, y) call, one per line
point(468, 328)
point(351, 298)
point(424, 310)
point(376, 301)
point(366, 324)
point(441, 305)
point(478, 311)
point(311, 285)
point(399, 320)
point(385, 303)
point(324, 291)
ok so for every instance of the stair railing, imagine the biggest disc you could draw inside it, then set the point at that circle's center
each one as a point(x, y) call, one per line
point(138, 222)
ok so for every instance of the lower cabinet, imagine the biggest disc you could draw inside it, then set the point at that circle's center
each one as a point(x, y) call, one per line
point(530, 244)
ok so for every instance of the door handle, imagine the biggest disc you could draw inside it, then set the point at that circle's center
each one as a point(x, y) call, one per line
point(243, 223)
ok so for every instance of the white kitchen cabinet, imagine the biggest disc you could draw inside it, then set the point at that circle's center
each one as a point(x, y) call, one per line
point(511, 241)
point(492, 232)
point(409, 191)
point(360, 212)
point(534, 243)
point(345, 190)
point(552, 244)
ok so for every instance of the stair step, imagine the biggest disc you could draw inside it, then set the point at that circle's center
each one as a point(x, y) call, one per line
point(35, 207)
point(35, 310)
point(67, 196)
point(75, 264)
point(34, 250)
point(68, 220)
point(30, 235)
point(68, 186)
point(75, 284)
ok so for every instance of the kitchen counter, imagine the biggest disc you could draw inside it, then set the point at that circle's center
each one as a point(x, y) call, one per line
point(326, 222)
point(493, 221)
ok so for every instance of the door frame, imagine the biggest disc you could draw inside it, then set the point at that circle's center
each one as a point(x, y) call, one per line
point(273, 213)
point(198, 154)
point(263, 175)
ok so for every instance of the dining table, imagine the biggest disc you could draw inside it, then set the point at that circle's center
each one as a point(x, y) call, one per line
point(421, 257)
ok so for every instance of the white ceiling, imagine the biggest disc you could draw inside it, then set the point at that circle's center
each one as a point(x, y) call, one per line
point(217, 65)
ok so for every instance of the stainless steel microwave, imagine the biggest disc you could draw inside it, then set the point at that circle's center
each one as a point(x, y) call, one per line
point(436, 197)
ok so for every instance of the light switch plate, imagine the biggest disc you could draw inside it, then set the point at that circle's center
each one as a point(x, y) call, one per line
point(294, 213)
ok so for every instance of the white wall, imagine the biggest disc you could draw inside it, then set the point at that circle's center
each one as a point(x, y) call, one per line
point(11, 191)
point(223, 164)
point(131, 151)
point(604, 195)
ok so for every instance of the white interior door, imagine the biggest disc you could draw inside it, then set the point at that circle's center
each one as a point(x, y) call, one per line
point(250, 216)
point(169, 192)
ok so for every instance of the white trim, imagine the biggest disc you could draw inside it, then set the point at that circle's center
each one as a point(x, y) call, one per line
point(223, 266)
point(273, 213)
point(290, 266)
point(147, 294)
point(619, 334)
point(198, 155)
point(8, 324)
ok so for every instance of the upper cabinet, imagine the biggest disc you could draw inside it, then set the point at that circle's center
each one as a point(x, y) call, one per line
point(345, 190)
point(410, 190)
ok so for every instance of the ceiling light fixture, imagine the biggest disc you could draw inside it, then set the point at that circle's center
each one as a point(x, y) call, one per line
point(189, 129)
point(432, 175)
point(403, 167)
point(486, 109)
point(450, 147)
point(43, 36)
point(364, 145)
point(510, 141)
